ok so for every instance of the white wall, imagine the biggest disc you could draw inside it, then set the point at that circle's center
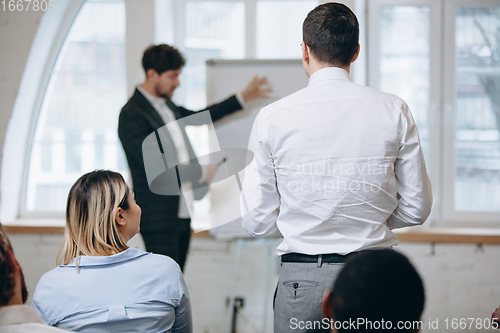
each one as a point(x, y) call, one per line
point(30, 44)
point(17, 31)
point(461, 281)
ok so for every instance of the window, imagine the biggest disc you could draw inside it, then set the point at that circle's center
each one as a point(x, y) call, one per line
point(278, 35)
point(451, 82)
point(477, 107)
point(206, 36)
point(76, 128)
point(405, 53)
point(201, 33)
point(472, 108)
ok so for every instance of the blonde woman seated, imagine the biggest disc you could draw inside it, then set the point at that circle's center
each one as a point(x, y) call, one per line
point(102, 285)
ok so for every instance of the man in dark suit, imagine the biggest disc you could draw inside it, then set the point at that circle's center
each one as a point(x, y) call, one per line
point(165, 222)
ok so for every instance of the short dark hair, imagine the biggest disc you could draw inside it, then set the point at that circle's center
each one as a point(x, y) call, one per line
point(162, 58)
point(8, 269)
point(376, 285)
point(331, 31)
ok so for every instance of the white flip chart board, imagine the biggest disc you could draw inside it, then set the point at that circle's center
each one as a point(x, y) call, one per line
point(224, 78)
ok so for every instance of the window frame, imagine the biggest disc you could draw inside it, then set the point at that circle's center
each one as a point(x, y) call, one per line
point(441, 105)
point(435, 85)
point(450, 215)
point(250, 23)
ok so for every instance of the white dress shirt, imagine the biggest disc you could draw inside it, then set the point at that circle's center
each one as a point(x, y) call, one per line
point(175, 131)
point(337, 166)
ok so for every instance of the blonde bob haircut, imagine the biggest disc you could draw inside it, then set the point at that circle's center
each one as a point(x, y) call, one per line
point(91, 227)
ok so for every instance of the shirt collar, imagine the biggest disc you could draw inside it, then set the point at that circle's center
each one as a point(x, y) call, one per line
point(128, 254)
point(329, 73)
point(152, 99)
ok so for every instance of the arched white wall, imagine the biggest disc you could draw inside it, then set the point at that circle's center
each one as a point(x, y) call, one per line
point(21, 115)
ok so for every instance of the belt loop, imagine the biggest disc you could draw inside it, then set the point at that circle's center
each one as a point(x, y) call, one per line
point(320, 260)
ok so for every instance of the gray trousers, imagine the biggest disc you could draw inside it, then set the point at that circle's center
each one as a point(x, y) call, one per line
point(299, 294)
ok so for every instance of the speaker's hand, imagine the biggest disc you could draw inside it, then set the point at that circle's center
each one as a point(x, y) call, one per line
point(257, 88)
point(211, 170)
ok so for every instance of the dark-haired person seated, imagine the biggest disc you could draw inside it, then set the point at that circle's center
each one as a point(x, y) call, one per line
point(376, 291)
point(102, 285)
point(15, 317)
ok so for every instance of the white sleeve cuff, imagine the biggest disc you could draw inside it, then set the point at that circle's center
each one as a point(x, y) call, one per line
point(203, 174)
point(241, 100)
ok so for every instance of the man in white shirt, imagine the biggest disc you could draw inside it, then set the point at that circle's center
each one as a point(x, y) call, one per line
point(337, 167)
point(15, 317)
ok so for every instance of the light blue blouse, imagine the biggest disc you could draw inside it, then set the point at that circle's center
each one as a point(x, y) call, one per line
point(132, 291)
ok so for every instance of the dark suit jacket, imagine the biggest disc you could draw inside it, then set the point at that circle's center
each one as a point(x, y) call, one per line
point(137, 120)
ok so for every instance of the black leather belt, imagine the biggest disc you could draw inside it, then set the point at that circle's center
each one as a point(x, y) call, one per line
point(306, 258)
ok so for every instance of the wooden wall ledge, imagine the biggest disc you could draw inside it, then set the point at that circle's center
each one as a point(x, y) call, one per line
point(450, 235)
point(418, 235)
point(28, 229)
point(57, 230)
